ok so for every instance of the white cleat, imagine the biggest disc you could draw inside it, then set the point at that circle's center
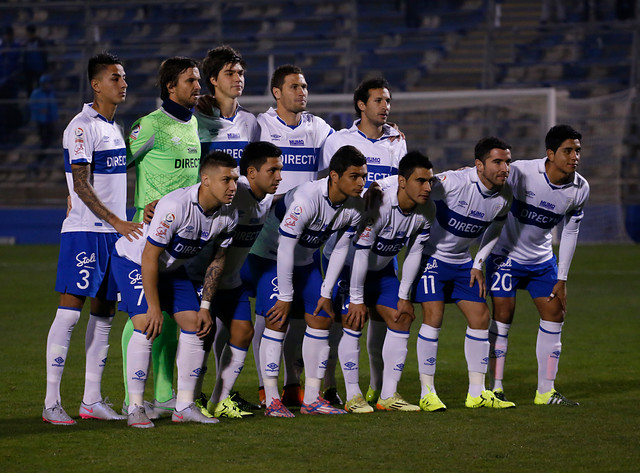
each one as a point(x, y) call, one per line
point(57, 415)
point(192, 413)
point(99, 410)
point(138, 418)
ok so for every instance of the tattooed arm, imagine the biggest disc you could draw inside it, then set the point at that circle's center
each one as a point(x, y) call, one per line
point(209, 287)
point(86, 192)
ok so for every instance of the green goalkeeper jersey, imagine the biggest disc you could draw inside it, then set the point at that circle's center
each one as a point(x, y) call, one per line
point(166, 152)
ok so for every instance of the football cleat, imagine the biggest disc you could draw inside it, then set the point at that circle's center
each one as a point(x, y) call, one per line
point(553, 397)
point(396, 403)
point(431, 403)
point(228, 408)
point(320, 406)
point(262, 397)
point(372, 395)
point(331, 395)
point(57, 415)
point(292, 395)
point(243, 404)
point(358, 405)
point(99, 410)
point(192, 414)
point(202, 404)
point(277, 409)
point(499, 393)
point(487, 399)
point(157, 409)
point(138, 418)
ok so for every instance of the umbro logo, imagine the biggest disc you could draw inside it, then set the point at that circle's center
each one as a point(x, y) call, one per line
point(272, 367)
point(350, 366)
point(140, 375)
point(58, 361)
point(399, 367)
point(430, 361)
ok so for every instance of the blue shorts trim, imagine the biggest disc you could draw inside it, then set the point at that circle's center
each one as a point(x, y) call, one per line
point(505, 276)
point(177, 293)
point(446, 282)
point(83, 265)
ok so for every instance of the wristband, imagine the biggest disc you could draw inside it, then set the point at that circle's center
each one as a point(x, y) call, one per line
point(205, 305)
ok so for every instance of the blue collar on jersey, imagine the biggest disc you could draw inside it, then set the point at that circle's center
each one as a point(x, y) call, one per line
point(97, 115)
point(373, 140)
point(326, 196)
point(293, 127)
point(553, 186)
point(177, 110)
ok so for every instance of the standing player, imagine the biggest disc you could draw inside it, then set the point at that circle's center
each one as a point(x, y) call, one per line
point(165, 148)
point(151, 280)
point(260, 167)
point(95, 168)
point(469, 203)
point(300, 135)
point(222, 123)
point(402, 220)
point(380, 144)
point(546, 192)
point(305, 218)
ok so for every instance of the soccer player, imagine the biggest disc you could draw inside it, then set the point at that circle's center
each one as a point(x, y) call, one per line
point(469, 203)
point(151, 279)
point(95, 168)
point(546, 191)
point(222, 123)
point(165, 148)
point(300, 135)
point(260, 168)
point(380, 144)
point(403, 219)
point(284, 269)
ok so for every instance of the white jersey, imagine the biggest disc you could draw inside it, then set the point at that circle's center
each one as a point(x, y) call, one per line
point(180, 226)
point(383, 155)
point(90, 139)
point(230, 135)
point(464, 210)
point(300, 145)
point(387, 231)
point(252, 214)
point(538, 206)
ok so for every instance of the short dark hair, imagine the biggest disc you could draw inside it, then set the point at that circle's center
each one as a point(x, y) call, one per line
point(362, 91)
point(277, 78)
point(170, 70)
point(217, 159)
point(485, 145)
point(256, 153)
point(99, 63)
point(346, 156)
point(558, 134)
point(411, 161)
point(216, 59)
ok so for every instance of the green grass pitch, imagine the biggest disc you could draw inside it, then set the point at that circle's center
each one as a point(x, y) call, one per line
point(599, 367)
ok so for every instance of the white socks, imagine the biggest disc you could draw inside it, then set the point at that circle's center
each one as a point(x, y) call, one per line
point(231, 364)
point(189, 359)
point(394, 353)
point(315, 353)
point(498, 339)
point(138, 358)
point(57, 349)
point(376, 333)
point(548, 349)
point(96, 348)
point(349, 354)
point(427, 349)
point(476, 351)
point(270, 353)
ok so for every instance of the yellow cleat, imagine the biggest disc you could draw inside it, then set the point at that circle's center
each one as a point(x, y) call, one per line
point(432, 403)
point(396, 403)
point(358, 405)
point(487, 399)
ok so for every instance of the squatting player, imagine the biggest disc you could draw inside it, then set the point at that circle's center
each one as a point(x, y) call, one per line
point(546, 191)
point(151, 278)
point(469, 203)
point(165, 148)
point(284, 269)
point(95, 168)
point(403, 219)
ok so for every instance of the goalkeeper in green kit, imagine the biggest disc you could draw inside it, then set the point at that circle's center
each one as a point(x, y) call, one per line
point(165, 149)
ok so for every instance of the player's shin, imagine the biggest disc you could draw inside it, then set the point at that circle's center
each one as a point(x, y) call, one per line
point(293, 359)
point(394, 354)
point(427, 350)
point(138, 358)
point(57, 348)
point(189, 362)
point(498, 340)
point(231, 364)
point(315, 352)
point(96, 348)
point(349, 354)
point(376, 332)
point(476, 352)
point(548, 349)
point(270, 354)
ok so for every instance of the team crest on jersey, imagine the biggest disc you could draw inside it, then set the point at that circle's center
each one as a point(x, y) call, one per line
point(204, 235)
point(169, 218)
point(135, 131)
point(442, 178)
